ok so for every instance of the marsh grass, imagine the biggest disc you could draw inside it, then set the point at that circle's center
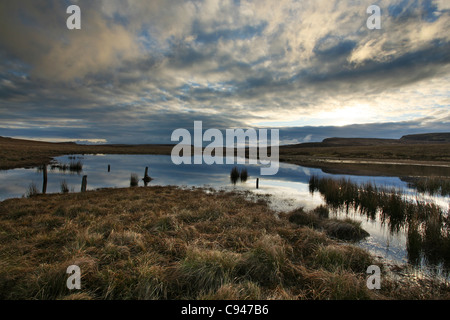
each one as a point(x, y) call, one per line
point(322, 211)
point(73, 166)
point(32, 190)
point(346, 229)
point(425, 223)
point(237, 174)
point(62, 167)
point(134, 180)
point(181, 244)
point(431, 185)
point(335, 257)
point(234, 175)
point(243, 175)
point(76, 166)
point(64, 187)
point(207, 270)
point(267, 260)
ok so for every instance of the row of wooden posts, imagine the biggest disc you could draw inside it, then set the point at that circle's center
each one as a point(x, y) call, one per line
point(146, 179)
point(45, 180)
point(84, 180)
point(44, 185)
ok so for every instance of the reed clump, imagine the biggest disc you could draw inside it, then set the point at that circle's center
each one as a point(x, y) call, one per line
point(76, 166)
point(346, 229)
point(32, 190)
point(234, 175)
point(64, 186)
point(134, 180)
point(237, 174)
point(243, 175)
point(426, 224)
point(431, 185)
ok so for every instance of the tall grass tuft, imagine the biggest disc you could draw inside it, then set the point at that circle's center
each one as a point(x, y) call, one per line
point(348, 230)
point(64, 187)
point(32, 190)
point(207, 270)
point(234, 175)
point(244, 175)
point(268, 260)
point(134, 180)
point(431, 185)
point(76, 166)
point(322, 211)
point(339, 257)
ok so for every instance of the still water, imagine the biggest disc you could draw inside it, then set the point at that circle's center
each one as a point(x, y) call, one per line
point(286, 191)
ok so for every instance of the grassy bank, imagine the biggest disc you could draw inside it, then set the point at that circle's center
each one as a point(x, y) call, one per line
point(417, 152)
point(16, 153)
point(168, 243)
point(384, 160)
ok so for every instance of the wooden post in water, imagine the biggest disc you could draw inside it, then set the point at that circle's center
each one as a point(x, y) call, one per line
point(109, 168)
point(44, 184)
point(84, 184)
point(146, 179)
point(257, 183)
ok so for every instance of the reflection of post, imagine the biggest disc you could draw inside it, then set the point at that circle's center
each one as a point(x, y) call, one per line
point(109, 168)
point(84, 184)
point(257, 183)
point(44, 184)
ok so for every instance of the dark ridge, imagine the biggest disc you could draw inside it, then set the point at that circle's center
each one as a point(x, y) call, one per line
point(349, 142)
point(428, 137)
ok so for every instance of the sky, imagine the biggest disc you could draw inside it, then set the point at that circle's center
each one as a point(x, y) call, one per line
point(138, 70)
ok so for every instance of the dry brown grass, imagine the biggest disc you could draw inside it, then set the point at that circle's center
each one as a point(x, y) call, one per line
point(399, 151)
point(168, 243)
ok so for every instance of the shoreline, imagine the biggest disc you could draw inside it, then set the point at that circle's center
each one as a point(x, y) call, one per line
point(357, 166)
point(353, 166)
point(390, 160)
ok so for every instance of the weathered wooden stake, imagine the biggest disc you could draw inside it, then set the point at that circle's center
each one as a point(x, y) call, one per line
point(257, 183)
point(147, 178)
point(109, 168)
point(84, 184)
point(44, 184)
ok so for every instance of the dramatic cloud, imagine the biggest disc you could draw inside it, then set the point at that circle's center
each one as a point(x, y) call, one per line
point(137, 70)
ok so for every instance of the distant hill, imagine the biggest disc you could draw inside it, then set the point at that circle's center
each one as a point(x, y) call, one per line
point(349, 142)
point(358, 141)
point(14, 141)
point(36, 143)
point(427, 137)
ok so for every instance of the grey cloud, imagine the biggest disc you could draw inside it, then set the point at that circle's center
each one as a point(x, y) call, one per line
point(140, 68)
